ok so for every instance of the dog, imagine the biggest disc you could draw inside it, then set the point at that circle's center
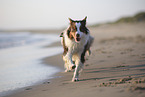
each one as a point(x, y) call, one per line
point(76, 41)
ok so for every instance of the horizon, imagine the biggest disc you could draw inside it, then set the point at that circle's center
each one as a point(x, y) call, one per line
point(45, 14)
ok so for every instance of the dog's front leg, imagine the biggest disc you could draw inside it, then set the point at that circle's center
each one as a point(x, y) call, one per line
point(66, 64)
point(68, 58)
point(79, 66)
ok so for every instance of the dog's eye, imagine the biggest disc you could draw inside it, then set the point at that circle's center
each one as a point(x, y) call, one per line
point(82, 29)
point(73, 29)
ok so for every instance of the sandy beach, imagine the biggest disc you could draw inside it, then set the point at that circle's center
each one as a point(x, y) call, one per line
point(116, 67)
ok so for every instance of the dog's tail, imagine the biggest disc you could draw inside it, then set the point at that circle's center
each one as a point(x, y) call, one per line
point(61, 34)
point(90, 42)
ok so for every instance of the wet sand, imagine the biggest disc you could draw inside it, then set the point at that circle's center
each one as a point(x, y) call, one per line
point(116, 67)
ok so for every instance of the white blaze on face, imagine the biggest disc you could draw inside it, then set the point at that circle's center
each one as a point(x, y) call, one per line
point(78, 29)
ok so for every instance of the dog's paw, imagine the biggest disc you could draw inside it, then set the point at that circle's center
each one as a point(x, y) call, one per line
point(73, 67)
point(67, 70)
point(89, 52)
point(75, 79)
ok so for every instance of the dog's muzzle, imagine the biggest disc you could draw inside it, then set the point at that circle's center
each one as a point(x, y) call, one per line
point(77, 38)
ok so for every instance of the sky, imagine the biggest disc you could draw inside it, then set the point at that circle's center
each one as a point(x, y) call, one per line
point(54, 14)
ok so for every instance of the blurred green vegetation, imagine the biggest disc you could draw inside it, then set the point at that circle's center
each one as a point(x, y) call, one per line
point(139, 17)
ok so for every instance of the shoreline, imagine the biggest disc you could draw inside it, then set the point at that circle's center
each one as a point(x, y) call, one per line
point(115, 68)
point(23, 62)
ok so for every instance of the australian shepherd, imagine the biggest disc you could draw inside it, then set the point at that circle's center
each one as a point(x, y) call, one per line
point(76, 41)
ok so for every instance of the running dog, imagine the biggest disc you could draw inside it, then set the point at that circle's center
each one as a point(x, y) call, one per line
point(76, 41)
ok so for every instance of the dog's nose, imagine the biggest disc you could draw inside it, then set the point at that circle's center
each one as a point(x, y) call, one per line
point(77, 35)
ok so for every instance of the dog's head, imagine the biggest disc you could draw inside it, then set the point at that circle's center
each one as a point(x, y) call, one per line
point(77, 29)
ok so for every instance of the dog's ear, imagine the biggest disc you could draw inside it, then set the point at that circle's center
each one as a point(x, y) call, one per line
point(70, 20)
point(84, 20)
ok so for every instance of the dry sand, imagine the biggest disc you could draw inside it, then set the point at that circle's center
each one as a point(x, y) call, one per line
point(116, 67)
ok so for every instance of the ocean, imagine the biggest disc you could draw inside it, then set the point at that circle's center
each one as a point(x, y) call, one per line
point(21, 57)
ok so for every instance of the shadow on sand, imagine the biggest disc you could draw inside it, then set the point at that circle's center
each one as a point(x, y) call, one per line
point(134, 68)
